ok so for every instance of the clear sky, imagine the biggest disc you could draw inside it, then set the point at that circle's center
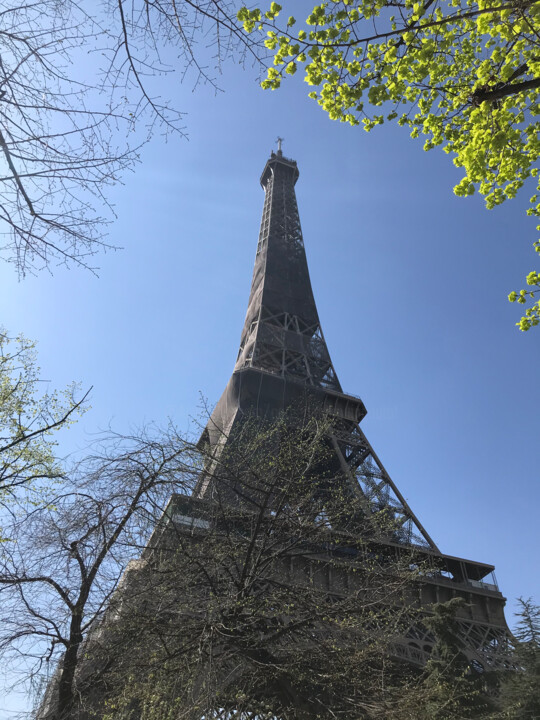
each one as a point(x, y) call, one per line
point(410, 283)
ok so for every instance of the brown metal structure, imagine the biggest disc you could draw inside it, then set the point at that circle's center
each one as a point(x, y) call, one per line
point(283, 362)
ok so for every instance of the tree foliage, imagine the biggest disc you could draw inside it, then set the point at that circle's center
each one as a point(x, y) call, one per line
point(260, 607)
point(520, 690)
point(457, 690)
point(281, 604)
point(224, 606)
point(29, 418)
point(231, 612)
point(78, 98)
point(464, 74)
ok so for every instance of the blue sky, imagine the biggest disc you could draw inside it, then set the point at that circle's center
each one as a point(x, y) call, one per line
point(410, 283)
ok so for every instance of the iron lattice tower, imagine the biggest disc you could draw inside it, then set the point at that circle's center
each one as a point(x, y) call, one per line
point(283, 360)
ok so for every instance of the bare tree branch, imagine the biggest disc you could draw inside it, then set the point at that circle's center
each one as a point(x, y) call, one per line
point(78, 99)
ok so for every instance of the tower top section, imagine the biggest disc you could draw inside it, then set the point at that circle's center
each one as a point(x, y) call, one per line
point(279, 163)
point(282, 333)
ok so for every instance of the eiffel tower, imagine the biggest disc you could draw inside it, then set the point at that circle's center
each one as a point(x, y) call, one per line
point(283, 361)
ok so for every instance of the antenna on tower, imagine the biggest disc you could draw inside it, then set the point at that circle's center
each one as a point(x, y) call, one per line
point(279, 141)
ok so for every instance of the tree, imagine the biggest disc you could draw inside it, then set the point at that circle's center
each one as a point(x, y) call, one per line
point(77, 101)
point(65, 555)
point(457, 690)
point(520, 690)
point(465, 74)
point(29, 419)
point(206, 604)
point(231, 612)
point(286, 603)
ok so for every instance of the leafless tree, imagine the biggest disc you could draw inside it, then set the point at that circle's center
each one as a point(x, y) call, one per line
point(63, 558)
point(78, 99)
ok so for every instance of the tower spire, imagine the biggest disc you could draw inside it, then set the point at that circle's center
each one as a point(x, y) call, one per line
point(282, 333)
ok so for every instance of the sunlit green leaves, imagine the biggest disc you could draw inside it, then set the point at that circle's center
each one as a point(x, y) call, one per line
point(532, 313)
point(29, 417)
point(460, 74)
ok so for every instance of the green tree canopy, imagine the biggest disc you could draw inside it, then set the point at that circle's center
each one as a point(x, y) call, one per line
point(464, 74)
